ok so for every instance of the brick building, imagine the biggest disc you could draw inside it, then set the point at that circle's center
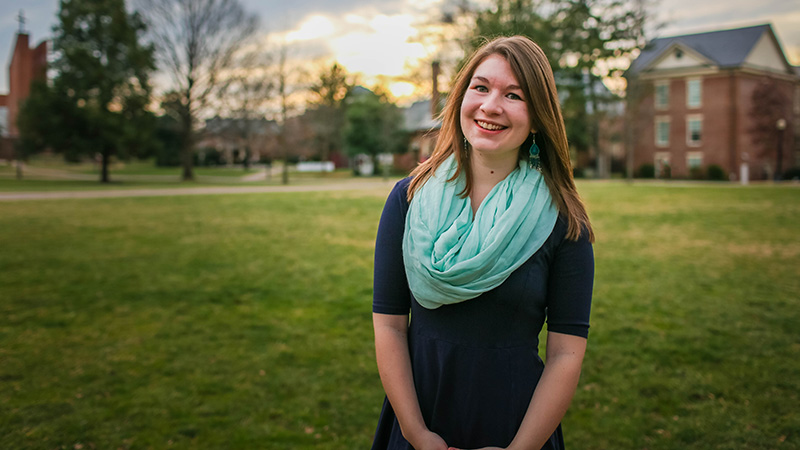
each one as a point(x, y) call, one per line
point(691, 104)
point(27, 64)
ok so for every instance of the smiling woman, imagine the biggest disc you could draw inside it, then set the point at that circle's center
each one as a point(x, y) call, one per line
point(494, 115)
point(482, 244)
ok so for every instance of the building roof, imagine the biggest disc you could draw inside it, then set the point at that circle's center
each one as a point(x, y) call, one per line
point(417, 117)
point(259, 126)
point(725, 48)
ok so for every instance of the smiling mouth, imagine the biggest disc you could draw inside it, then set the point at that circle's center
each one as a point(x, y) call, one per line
point(489, 126)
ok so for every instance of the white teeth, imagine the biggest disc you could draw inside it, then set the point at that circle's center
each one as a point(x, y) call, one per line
point(489, 126)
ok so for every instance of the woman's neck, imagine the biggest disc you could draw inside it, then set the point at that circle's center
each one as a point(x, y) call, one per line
point(486, 172)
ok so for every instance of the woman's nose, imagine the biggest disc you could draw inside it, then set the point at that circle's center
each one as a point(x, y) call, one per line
point(491, 105)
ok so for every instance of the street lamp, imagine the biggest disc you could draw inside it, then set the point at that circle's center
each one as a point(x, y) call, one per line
point(780, 125)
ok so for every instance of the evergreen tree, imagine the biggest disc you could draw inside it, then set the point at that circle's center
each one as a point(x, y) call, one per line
point(96, 102)
point(374, 126)
point(327, 109)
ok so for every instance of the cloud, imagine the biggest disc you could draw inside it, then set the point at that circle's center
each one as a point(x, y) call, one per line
point(382, 48)
point(314, 27)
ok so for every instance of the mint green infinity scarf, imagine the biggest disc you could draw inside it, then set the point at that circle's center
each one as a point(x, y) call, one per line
point(450, 257)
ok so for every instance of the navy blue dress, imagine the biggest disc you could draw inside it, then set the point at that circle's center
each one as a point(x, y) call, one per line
point(476, 363)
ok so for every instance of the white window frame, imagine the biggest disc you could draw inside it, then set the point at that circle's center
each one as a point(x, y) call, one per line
point(689, 82)
point(659, 120)
point(689, 119)
point(661, 159)
point(661, 84)
point(694, 155)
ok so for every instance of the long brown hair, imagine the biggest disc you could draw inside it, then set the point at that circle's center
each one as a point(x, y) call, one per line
point(531, 68)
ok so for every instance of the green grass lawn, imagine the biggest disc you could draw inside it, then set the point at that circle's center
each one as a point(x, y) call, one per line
point(243, 321)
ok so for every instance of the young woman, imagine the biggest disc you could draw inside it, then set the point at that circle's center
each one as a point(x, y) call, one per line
point(485, 241)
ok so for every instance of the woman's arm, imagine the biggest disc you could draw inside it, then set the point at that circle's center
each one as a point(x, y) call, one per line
point(554, 392)
point(394, 366)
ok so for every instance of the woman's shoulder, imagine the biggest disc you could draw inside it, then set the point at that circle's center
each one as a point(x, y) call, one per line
point(560, 229)
point(399, 193)
point(403, 184)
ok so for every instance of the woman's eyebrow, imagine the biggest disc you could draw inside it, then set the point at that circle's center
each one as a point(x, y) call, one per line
point(486, 80)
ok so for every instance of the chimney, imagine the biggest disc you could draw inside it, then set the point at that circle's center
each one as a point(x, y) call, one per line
point(435, 91)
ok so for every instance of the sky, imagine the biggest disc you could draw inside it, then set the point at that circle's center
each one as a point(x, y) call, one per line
point(379, 38)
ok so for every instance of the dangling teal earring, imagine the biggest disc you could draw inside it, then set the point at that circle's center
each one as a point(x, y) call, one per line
point(533, 156)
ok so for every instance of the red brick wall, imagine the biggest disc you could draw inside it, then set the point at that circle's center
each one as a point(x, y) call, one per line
point(725, 109)
point(26, 65)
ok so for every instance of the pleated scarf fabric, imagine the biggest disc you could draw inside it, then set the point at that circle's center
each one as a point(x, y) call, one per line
point(451, 256)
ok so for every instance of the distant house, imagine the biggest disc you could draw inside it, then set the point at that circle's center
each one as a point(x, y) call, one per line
point(691, 104)
point(604, 152)
point(234, 139)
point(420, 121)
point(27, 64)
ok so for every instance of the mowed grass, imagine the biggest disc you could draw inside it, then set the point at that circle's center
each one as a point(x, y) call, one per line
point(243, 321)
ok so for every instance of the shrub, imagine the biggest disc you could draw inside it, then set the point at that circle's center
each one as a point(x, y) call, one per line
point(697, 173)
point(792, 174)
point(209, 156)
point(647, 171)
point(618, 165)
point(716, 173)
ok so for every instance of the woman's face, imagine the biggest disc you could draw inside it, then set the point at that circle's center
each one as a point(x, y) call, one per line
point(494, 114)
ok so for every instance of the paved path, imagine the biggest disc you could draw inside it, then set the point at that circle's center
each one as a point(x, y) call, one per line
point(59, 174)
point(381, 185)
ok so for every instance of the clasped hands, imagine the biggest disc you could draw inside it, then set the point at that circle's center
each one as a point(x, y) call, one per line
point(432, 441)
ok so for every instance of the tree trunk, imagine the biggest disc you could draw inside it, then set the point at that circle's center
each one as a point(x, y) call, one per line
point(282, 141)
point(594, 121)
point(106, 155)
point(187, 145)
point(631, 111)
point(375, 164)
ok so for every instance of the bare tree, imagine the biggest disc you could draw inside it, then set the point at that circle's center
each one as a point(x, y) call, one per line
point(769, 107)
point(290, 83)
point(195, 42)
point(247, 96)
point(283, 92)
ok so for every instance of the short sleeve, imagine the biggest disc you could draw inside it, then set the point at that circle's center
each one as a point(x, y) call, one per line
point(390, 285)
point(569, 289)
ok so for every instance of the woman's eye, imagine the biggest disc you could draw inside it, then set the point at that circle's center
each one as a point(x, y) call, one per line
point(480, 88)
point(514, 97)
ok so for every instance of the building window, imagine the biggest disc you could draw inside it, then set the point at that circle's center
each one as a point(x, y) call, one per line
point(662, 94)
point(3, 121)
point(662, 131)
point(663, 168)
point(694, 160)
point(694, 130)
point(694, 92)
